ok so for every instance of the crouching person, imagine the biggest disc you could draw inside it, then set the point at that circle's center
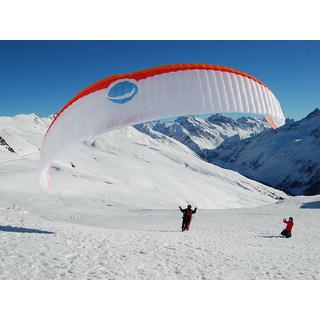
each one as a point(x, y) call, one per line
point(287, 231)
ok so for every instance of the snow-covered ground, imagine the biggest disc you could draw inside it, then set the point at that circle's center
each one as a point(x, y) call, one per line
point(147, 244)
point(114, 215)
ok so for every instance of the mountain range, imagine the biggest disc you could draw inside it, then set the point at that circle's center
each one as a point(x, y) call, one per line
point(286, 158)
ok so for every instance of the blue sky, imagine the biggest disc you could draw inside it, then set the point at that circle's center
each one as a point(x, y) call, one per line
point(42, 76)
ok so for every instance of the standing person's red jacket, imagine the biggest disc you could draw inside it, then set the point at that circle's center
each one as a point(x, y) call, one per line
point(289, 225)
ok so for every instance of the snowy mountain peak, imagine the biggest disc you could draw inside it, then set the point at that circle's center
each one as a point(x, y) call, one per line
point(220, 119)
point(313, 114)
point(189, 120)
point(184, 119)
point(288, 121)
point(256, 124)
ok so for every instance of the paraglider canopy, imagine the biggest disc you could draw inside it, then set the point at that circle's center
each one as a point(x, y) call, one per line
point(152, 94)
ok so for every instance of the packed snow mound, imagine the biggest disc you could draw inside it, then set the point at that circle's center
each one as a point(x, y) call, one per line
point(126, 169)
point(201, 134)
point(287, 158)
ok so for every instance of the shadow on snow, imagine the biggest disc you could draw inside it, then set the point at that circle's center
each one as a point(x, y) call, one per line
point(23, 230)
point(278, 236)
point(311, 205)
point(154, 230)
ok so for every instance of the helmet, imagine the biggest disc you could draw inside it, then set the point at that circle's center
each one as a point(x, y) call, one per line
point(189, 206)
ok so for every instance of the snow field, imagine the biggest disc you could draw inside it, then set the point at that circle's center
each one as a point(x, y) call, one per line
point(115, 215)
point(143, 244)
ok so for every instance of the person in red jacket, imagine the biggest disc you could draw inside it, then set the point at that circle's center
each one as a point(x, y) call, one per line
point(287, 231)
point(187, 217)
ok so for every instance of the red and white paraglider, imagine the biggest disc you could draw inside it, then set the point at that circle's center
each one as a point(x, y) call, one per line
point(156, 93)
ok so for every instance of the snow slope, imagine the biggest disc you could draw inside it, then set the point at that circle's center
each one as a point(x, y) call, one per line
point(286, 158)
point(24, 132)
point(128, 169)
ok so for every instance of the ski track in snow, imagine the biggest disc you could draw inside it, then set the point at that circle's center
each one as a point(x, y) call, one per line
point(222, 244)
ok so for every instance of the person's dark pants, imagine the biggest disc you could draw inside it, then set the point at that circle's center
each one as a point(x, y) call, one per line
point(286, 233)
point(186, 224)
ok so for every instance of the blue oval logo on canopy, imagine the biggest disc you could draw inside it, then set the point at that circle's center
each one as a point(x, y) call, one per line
point(122, 92)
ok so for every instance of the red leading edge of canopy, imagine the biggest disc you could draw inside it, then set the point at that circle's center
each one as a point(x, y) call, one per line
point(143, 74)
